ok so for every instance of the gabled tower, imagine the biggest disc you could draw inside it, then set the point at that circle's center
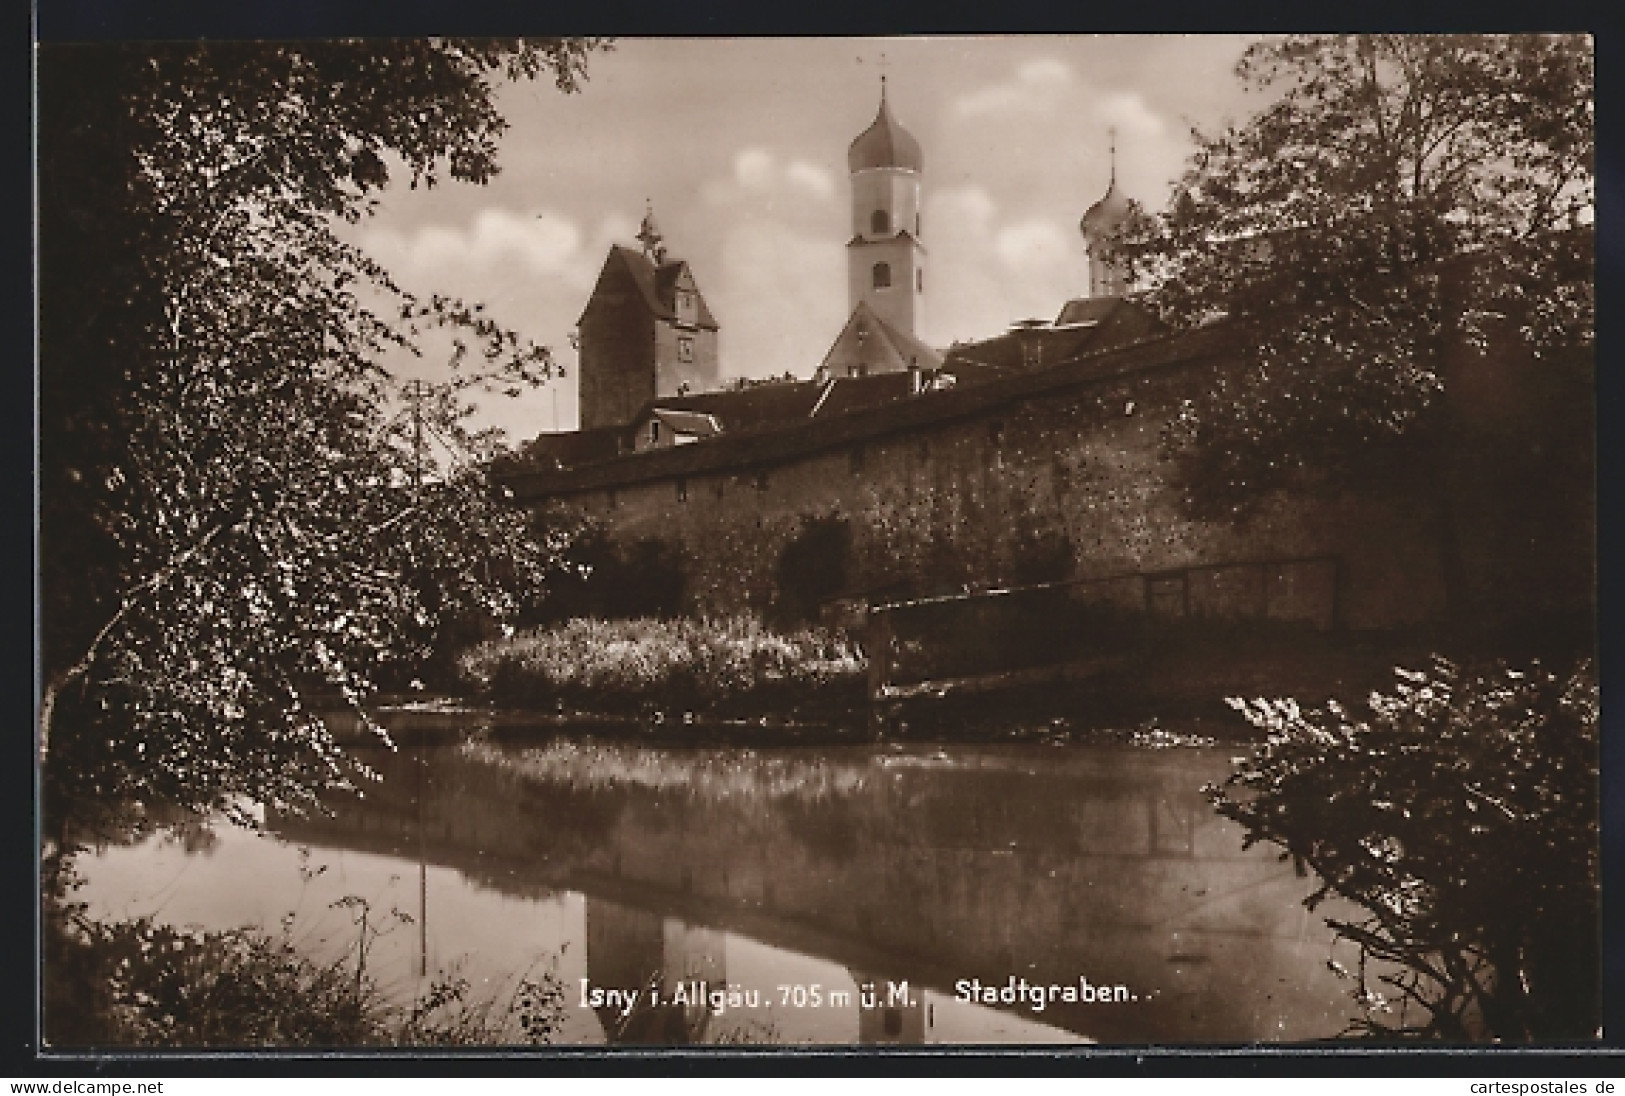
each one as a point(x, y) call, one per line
point(646, 332)
point(885, 260)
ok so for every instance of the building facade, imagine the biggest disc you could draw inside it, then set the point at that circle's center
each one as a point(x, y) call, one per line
point(645, 332)
point(885, 256)
point(1060, 475)
point(1037, 456)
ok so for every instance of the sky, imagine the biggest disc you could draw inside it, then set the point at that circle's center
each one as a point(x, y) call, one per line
point(740, 147)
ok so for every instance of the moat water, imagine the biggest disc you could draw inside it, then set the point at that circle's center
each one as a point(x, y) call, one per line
point(798, 895)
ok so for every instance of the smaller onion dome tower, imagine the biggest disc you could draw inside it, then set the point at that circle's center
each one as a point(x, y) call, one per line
point(1099, 222)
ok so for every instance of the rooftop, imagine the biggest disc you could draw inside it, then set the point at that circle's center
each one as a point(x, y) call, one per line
point(657, 284)
point(884, 143)
point(794, 439)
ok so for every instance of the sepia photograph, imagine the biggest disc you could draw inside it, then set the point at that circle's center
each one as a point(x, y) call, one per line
point(1066, 541)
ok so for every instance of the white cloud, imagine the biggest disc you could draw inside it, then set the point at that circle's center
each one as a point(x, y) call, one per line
point(754, 169)
point(961, 206)
point(760, 181)
point(1032, 246)
point(987, 270)
point(810, 177)
point(1036, 88)
point(1132, 115)
point(1045, 113)
point(479, 259)
point(780, 296)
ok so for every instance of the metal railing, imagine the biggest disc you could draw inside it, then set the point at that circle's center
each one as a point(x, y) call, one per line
point(1077, 626)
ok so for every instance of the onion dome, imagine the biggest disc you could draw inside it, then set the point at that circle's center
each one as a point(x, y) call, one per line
point(884, 143)
point(1106, 214)
point(1112, 209)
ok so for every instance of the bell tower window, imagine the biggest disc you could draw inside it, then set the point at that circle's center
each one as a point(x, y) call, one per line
point(882, 276)
point(880, 223)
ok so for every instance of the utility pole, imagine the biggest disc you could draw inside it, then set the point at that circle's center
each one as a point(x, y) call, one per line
point(417, 438)
point(422, 759)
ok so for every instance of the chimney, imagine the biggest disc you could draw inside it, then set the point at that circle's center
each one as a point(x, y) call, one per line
point(915, 381)
point(1030, 338)
point(821, 374)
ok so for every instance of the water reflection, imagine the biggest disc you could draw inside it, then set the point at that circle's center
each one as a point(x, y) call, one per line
point(726, 886)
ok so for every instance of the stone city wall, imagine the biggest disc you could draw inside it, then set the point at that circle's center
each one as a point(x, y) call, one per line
point(1060, 478)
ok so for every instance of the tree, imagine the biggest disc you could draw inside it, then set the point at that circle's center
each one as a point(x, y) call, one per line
point(234, 527)
point(1460, 814)
point(1398, 190)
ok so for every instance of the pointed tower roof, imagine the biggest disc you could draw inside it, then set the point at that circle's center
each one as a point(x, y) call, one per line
point(1111, 210)
point(869, 341)
point(884, 143)
point(655, 284)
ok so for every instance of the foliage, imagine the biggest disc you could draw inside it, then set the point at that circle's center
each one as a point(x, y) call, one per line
point(595, 765)
point(141, 983)
point(665, 665)
point(1460, 814)
point(815, 568)
point(601, 575)
point(1398, 190)
point(231, 525)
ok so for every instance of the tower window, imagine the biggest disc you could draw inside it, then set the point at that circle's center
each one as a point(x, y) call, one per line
point(879, 223)
point(687, 306)
point(882, 274)
point(919, 281)
point(685, 349)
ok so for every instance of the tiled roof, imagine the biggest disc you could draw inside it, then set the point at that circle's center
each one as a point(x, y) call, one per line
point(912, 349)
point(688, 422)
point(752, 408)
point(656, 285)
point(1005, 351)
point(928, 409)
point(900, 234)
point(1087, 309)
point(666, 278)
point(1084, 325)
point(570, 448)
point(844, 394)
point(896, 348)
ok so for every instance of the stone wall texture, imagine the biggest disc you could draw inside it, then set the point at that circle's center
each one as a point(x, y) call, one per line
point(1068, 482)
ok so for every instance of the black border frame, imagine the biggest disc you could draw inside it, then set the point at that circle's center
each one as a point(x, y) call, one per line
point(107, 20)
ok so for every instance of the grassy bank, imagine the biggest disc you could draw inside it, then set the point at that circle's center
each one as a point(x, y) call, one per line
point(139, 983)
point(729, 667)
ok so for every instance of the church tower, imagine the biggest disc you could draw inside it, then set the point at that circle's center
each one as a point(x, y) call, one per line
point(885, 260)
point(1106, 279)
